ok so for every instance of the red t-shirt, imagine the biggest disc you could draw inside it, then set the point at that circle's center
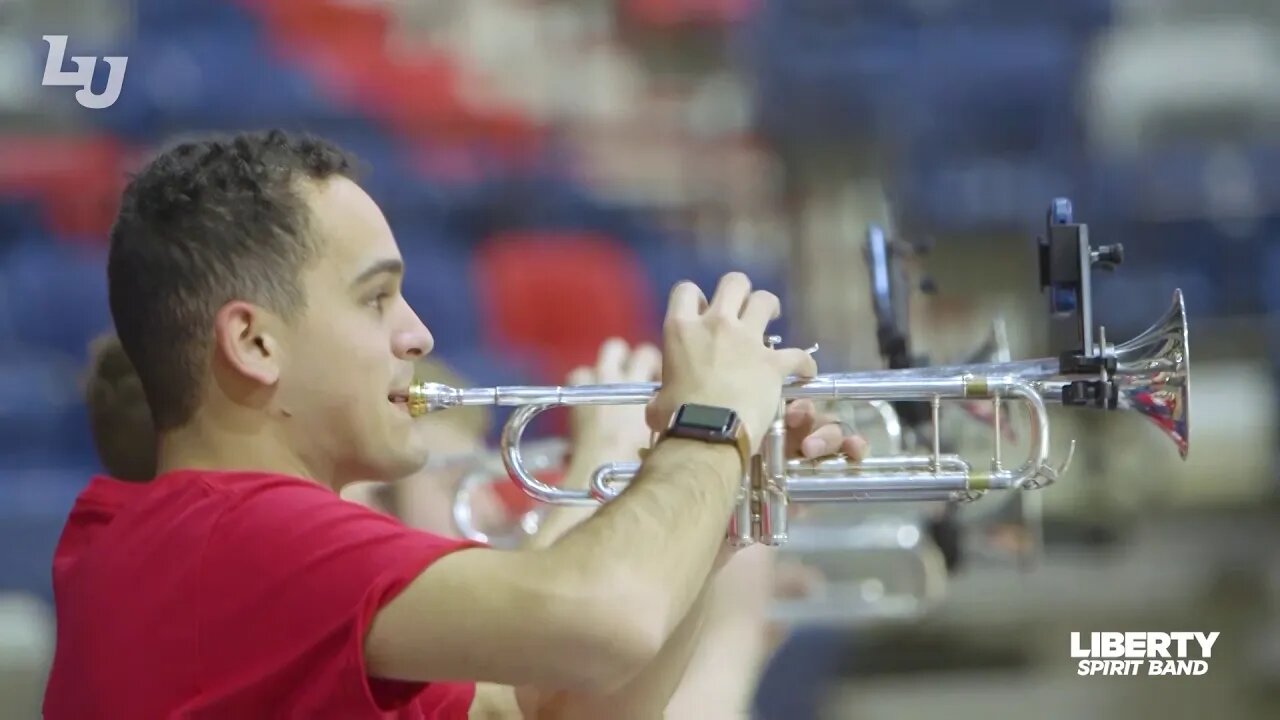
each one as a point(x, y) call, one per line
point(231, 595)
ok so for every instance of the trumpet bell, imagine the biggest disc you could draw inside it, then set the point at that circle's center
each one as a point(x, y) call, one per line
point(1153, 375)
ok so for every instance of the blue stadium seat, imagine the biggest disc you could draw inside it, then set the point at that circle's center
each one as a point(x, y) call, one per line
point(1082, 17)
point(667, 263)
point(407, 198)
point(1188, 180)
point(531, 203)
point(1127, 306)
point(19, 218)
point(816, 84)
point(989, 90)
point(1269, 277)
point(1220, 275)
point(212, 79)
point(439, 286)
point(981, 194)
point(27, 542)
point(55, 295)
point(162, 17)
point(42, 418)
point(33, 509)
point(826, 68)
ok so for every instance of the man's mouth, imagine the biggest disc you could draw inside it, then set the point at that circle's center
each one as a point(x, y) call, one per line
point(399, 398)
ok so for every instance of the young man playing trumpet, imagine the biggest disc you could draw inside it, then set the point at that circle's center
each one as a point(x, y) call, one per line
point(255, 287)
point(736, 640)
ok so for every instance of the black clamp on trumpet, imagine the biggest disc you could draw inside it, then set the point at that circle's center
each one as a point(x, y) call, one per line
point(1066, 264)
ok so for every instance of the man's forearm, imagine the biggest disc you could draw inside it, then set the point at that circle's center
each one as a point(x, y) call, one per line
point(666, 529)
point(720, 680)
point(648, 694)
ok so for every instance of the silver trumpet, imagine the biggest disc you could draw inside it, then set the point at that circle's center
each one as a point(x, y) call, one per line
point(883, 569)
point(485, 468)
point(1149, 374)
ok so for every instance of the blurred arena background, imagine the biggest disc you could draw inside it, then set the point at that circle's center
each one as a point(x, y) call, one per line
point(552, 167)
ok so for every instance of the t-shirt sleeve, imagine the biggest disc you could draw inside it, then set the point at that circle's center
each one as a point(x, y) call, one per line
point(290, 582)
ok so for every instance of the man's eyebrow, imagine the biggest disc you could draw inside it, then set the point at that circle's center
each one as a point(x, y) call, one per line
point(389, 265)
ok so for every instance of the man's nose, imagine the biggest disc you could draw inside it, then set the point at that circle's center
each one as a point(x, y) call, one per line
point(414, 341)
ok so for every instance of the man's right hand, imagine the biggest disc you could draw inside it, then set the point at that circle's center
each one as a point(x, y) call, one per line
point(715, 354)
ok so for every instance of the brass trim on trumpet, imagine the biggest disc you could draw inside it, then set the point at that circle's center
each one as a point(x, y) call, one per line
point(976, 387)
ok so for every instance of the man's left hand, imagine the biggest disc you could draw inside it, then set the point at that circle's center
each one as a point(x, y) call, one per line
point(812, 435)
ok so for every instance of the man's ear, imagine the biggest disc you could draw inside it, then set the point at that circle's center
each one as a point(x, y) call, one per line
point(245, 336)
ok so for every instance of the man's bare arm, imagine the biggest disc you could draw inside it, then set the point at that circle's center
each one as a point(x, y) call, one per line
point(585, 614)
point(589, 612)
point(646, 695)
point(720, 679)
point(712, 663)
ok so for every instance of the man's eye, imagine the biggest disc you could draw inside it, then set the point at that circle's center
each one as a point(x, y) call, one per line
point(379, 300)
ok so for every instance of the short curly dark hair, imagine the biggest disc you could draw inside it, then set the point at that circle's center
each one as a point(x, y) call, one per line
point(204, 223)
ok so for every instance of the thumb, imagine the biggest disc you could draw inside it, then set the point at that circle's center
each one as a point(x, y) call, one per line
point(656, 416)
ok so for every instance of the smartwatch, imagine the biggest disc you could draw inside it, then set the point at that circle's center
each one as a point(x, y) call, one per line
point(714, 425)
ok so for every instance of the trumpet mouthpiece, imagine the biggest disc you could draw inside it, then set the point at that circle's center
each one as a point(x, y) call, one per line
point(428, 397)
point(425, 397)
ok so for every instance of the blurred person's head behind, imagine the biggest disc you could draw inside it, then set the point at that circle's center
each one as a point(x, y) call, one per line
point(119, 417)
point(256, 289)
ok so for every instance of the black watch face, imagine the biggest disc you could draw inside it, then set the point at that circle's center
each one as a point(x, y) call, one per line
point(713, 421)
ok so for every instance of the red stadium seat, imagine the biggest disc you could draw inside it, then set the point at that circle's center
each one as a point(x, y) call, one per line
point(515, 501)
point(75, 180)
point(417, 95)
point(560, 296)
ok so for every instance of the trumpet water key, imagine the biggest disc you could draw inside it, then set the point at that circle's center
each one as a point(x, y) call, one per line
point(1148, 375)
